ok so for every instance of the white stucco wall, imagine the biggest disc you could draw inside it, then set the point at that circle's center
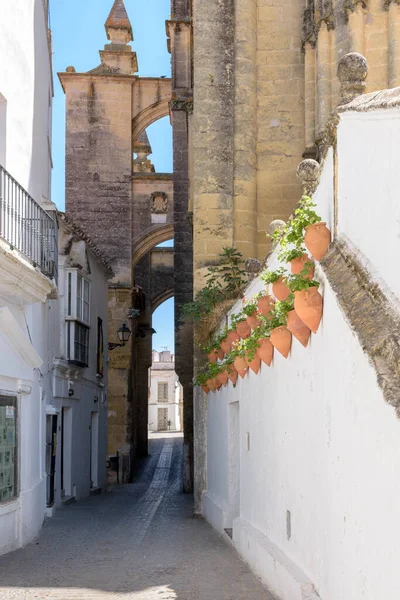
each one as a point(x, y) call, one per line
point(26, 87)
point(25, 151)
point(164, 372)
point(369, 188)
point(316, 437)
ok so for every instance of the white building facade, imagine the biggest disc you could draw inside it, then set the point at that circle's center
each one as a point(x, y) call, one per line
point(77, 414)
point(302, 458)
point(28, 267)
point(165, 394)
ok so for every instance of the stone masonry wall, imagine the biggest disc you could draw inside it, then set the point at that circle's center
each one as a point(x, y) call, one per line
point(98, 163)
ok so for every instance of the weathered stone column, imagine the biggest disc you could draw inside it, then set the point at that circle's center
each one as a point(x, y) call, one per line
point(357, 27)
point(245, 169)
point(309, 98)
point(323, 79)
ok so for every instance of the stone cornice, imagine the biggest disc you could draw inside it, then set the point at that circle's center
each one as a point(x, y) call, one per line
point(79, 232)
point(153, 176)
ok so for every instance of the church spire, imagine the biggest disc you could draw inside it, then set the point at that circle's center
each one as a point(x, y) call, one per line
point(118, 26)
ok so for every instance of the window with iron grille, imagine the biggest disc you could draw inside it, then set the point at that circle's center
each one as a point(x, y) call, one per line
point(78, 318)
point(162, 395)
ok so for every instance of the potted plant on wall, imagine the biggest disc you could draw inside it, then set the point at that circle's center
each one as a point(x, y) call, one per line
point(250, 347)
point(281, 338)
point(265, 350)
point(307, 224)
point(250, 309)
point(239, 321)
point(308, 301)
point(239, 360)
point(214, 351)
point(265, 304)
point(278, 280)
point(299, 261)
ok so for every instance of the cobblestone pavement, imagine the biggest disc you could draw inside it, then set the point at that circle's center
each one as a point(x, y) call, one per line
point(138, 541)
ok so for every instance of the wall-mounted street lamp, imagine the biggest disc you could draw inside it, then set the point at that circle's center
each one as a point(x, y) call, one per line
point(124, 333)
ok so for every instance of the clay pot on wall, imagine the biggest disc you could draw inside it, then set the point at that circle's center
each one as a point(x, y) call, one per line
point(243, 330)
point(299, 329)
point(265, 351)
point(232, 337)
point(218, 385)
point(253, 321)
point(205, 388)
point(211, 385)
point(233, 375)
point(280, 290)
point(317, 239)
point(298, 264)
point(241, 365)
point(222, 378)
point(225, 346)
point(281, 338)
point(308, 305)
point(266, 305)
point(254, 364)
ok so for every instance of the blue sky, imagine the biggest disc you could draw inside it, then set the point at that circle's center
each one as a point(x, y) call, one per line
point(78, 35)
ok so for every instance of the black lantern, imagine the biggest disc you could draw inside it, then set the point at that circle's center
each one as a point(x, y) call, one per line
point(124, 333)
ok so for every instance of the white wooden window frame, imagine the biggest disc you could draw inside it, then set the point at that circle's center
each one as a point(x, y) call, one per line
point(164, 396)
point(77, 317)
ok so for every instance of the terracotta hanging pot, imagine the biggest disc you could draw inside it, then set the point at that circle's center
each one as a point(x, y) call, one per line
point(232, 337)
point(317, 239)
point(308, 305)
point(299, 329)
point(233, 375)
point(254, 364)
point(281, 338)
point(222, 378)
point(243, 330)
point(253, 321)
point(241, 365)
point(211, 385)
point(265, 351)
point(212, 356)
point(225, 346)
point(218, 385)
point(205, 388)
point(266, 305)
point(220, 353)
point(298, 264)
point(280, 290)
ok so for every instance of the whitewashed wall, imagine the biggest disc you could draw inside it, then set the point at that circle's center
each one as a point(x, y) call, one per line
point(160, 372)
point(25, 151)
point(318, 445)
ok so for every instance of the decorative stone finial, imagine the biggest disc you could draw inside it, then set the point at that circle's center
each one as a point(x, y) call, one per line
point(352, 72)
point(118, 26)
point(275, 226)
point(252, 266)
point(142, 148)
point(70, 70)
point(308, 172)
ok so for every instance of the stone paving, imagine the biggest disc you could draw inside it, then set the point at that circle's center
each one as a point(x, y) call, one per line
point(137, 542)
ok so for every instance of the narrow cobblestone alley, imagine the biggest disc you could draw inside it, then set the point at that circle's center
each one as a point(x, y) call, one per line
point(138, 541)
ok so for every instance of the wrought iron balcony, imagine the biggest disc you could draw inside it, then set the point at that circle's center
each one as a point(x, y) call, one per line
point(27, 227)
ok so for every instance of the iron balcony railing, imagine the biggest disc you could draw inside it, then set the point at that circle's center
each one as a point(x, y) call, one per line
point(26, 226)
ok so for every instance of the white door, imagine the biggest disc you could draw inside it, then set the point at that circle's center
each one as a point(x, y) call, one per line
point(162, 419)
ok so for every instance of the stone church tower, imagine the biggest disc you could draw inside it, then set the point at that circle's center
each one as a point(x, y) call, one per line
point(112, 188)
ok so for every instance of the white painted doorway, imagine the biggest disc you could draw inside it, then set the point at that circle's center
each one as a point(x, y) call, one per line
point(162, 424)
